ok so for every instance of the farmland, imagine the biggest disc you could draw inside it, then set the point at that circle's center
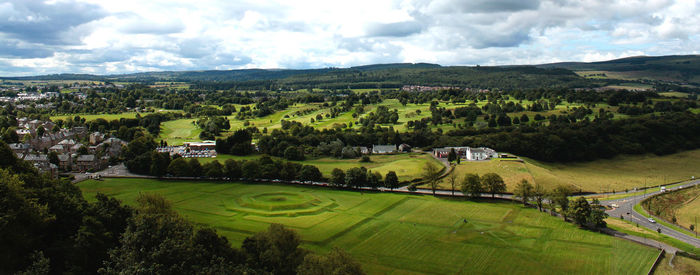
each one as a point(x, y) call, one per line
point(606, 175)
point(395, 233)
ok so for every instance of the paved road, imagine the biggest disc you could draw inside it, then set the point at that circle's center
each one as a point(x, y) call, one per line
point(626, 209)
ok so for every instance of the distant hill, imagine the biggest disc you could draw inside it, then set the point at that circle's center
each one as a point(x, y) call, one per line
point(682, 69)
point(644, 70)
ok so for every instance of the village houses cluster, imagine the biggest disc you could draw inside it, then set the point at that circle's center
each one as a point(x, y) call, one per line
point(77, 150)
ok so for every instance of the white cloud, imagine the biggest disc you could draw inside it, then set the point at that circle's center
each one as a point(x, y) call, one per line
point(110, 36)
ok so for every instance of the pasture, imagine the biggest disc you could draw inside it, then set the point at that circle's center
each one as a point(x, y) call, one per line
point(90, 117)
point(604, 175)
point(397, 233)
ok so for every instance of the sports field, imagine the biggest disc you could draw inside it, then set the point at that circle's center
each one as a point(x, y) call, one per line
point(398, 233)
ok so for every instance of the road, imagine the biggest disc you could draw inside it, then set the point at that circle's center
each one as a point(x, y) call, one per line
point(626, 209)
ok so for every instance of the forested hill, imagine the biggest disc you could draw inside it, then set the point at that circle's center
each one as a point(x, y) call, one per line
point(674, 68)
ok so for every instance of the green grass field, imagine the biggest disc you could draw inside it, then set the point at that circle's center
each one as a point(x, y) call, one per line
point(90, 117)
point(605, 175)
point(397, 233)
point(175, 132)
point(407, 166)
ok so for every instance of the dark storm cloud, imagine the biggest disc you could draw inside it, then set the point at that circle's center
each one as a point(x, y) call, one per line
point(490, 6)
point(45, 23)
point(11, 48)
point(398, 29)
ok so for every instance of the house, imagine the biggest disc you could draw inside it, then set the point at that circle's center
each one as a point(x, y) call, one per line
point(384, 149)
point(199, 146)
point(75, 148)
point(57, 148)
point(481, 153)
point(19, 148)
point(65, 162)
point(111, 146)
point(363, 150)
point(405, 148)
point(466, 153)
point(96, 138)
point(86, 163)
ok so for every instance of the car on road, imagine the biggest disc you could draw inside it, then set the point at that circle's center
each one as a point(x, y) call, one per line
point(651, 220)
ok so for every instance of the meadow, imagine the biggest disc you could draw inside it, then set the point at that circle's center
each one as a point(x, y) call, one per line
point(604, 175)
point(397, 233)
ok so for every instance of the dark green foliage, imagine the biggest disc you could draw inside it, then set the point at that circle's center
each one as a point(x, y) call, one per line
point(237, 144)
point(338, 177)
point(159, 241)
point(232, 169)
point(356, 177)
point(213, 169)
point(293, 153)
point(493, 183)
point(275, 250)
point(391, 181)
point(310, 173)
point(179, 167)
point(471, 185)
point(337, 262)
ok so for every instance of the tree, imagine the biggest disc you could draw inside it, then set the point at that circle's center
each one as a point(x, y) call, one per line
point(431, 175)
point(250, 169)
point(159, 241)
point(276, 250)
point(391, 181)
point(40, 131)
point(293, 153)
point(560, 196)
point(356, 177)
point(493, 183)
point(471, 185)
point(374, 180)
point(213, 169)
point(524, 118)
point(452, 156)
point(452, 180)
point(159, 163)
point(598, 215)
point(310, 173)
point(579, 210)
point(53, 158)
point(524, 190)
point(336, 262)
point(337, 177)
point(179, 168)
point(538, 194)
point(196, 167)
point(231, 169)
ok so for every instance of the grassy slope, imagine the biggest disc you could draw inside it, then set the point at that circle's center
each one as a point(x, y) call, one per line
point(175, 132)
point(399, 234)
point(619, 173)
point(681, 265)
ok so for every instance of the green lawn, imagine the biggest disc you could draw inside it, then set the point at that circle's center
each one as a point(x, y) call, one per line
point(175, 132)
point(397, 233)
point(90, 117)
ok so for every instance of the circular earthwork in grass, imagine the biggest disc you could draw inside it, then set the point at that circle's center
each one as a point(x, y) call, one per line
point(280, 204)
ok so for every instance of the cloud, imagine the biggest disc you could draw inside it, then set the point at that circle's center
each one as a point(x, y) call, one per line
point(45, 22)
point(398, 29)
point(124, 36)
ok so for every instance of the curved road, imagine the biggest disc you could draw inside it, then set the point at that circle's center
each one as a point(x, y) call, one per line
point(625, 208)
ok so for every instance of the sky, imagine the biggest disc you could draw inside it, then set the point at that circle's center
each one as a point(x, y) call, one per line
point(126, 36)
